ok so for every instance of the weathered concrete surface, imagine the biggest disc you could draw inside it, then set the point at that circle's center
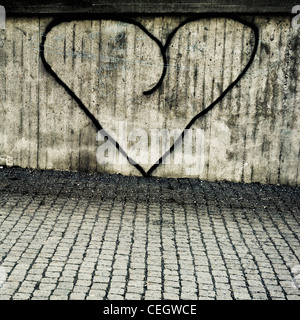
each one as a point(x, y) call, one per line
point(252, 135)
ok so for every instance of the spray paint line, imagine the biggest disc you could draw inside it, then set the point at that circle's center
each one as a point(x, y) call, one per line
point(163, 51)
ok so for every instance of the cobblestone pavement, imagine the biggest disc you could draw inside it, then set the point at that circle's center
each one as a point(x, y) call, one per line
point(91, 236)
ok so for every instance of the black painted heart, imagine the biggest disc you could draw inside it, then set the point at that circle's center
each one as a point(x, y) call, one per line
point(133, 82)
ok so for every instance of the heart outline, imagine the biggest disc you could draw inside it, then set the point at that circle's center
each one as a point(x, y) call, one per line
point(163, 50)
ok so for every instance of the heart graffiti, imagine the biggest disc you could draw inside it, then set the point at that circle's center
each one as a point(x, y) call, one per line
point(163, 48)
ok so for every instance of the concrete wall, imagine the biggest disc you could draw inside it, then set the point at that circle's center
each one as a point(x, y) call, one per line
point(251, 135)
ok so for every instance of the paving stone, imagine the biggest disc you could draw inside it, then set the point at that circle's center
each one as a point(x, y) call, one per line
point(149, 295)
point(241, 241)
point(170, 296)
point(77, 296)
point(115, 297)
point(59, 297)
point(133, 296)
point(21, 296)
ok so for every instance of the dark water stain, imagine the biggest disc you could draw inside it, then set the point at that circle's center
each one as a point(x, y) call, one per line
point(265, 47)
point(265, 147)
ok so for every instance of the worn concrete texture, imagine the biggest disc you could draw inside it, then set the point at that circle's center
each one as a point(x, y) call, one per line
point(252, 135)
